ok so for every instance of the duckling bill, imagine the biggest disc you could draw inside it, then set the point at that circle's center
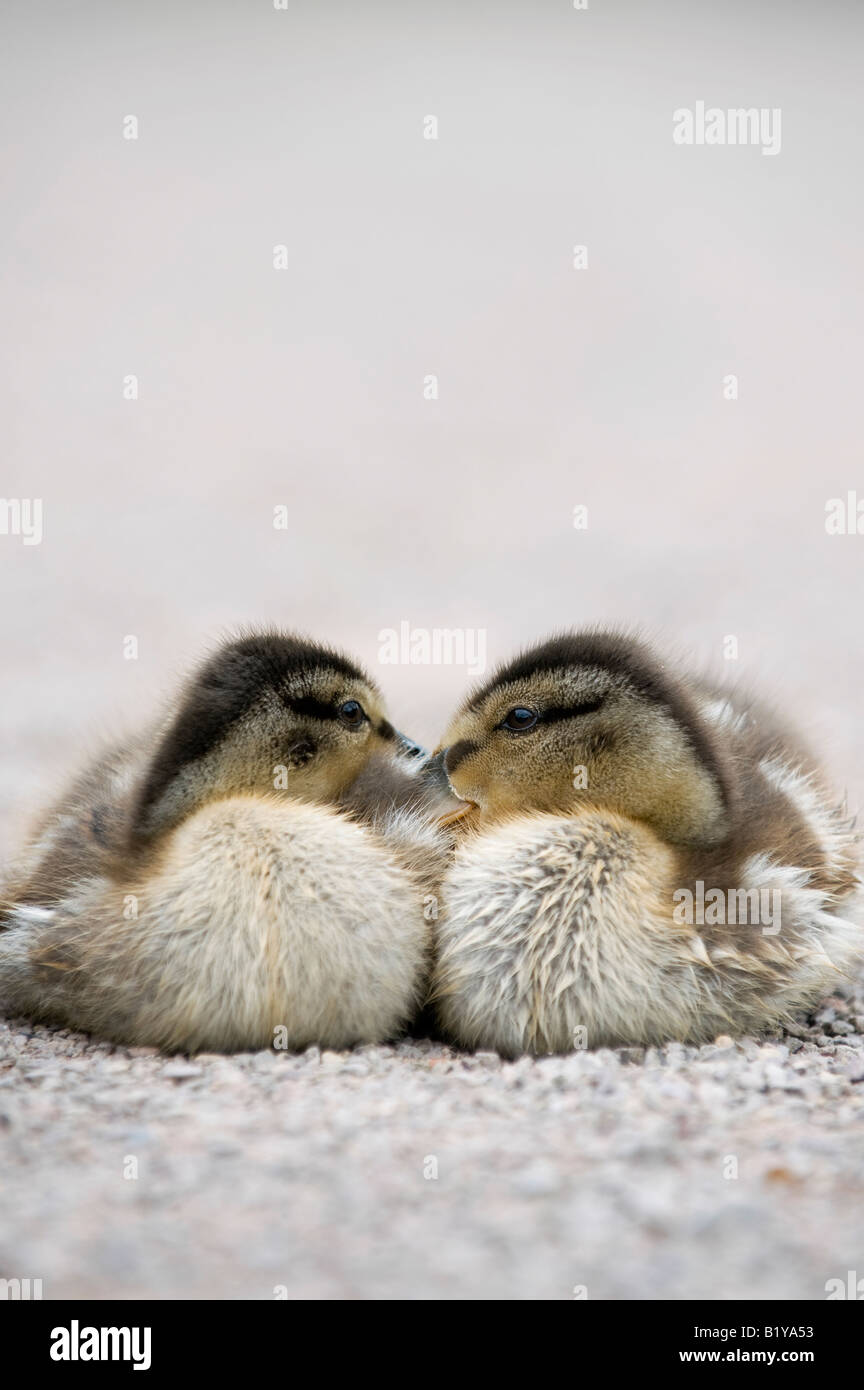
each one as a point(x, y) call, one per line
point(606, 797)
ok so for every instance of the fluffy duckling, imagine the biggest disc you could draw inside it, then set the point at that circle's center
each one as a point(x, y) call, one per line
point(254, 868)
point(644, 858)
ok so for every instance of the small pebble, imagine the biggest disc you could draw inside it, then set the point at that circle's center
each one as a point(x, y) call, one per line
point(182, 1071)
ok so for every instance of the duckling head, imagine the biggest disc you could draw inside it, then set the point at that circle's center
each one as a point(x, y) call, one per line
point(268, 713)
point(589, 719)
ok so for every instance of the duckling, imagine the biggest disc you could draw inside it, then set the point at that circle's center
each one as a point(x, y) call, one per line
point(642, 858)
point(236, 873)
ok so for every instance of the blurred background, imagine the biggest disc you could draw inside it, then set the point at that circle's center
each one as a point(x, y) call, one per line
point(307, 387)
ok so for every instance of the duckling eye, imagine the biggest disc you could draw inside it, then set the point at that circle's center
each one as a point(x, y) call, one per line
point(519, 719)
point(352, 714)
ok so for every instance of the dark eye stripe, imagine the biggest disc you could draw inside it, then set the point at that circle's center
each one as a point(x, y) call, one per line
point(552, 716)
point(312, 708)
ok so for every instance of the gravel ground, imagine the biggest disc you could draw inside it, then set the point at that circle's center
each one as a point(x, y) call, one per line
point(414, 1171)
